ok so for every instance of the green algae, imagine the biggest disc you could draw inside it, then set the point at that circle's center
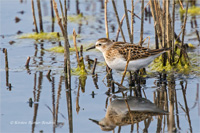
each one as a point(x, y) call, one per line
point(79, 18)
point(51, 36)
point(60, 49)
point(191, 10)
point(40, 36)
point(180, 67)
point(80, 70)
point(57, 49)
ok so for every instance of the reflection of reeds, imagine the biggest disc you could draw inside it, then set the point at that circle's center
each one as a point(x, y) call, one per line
point(186, 106)
point(94, 66)
point(69, 108)
point(36, 94)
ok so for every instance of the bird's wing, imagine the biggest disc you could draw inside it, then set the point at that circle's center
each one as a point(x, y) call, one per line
point(137, 52)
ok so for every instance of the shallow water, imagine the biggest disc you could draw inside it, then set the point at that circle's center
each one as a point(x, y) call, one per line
point(52, 101)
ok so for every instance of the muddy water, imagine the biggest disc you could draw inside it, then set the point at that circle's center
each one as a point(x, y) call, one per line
point(30, 102)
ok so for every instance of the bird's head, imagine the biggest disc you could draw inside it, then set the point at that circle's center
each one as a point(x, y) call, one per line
point(102, 44)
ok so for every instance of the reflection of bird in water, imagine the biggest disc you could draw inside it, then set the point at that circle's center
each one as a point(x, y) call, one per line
point(117, 113)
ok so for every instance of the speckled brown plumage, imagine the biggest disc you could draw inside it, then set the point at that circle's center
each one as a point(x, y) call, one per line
point(137, 52)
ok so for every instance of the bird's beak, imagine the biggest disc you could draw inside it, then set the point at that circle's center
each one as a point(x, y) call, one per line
point(93, 47)
point(95, 121)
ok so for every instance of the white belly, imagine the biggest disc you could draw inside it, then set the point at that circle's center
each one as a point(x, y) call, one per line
point(120, 63)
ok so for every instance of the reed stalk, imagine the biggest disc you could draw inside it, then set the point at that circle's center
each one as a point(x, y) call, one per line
point(34, 19)
point(173, 28)
point(6, 66)
point(132, 20)
point(27, 62)
point(142, 23)
point(40, 15)
point(127, 21)
point(183, 34)
point(63, 27)
point(119, 23)
point(77, 53)
point(106, 18)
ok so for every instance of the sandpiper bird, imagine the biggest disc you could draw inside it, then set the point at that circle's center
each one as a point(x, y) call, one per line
point(116, 54)
point(117, 113)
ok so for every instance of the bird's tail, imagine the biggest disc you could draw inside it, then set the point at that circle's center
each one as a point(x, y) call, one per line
point(159, 51)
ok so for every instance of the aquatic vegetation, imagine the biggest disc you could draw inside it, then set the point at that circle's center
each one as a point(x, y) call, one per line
point(41, 36)
point(79, 18)
point(60, 49)
point(57, 49)
point(191, 10)
point(51, 36)
point(180, 67)
point(80, 70)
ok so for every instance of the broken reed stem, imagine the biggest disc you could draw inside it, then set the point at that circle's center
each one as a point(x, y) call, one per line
point(119, 23)
point(197, 32)
point(81, 51)
point(59, 43)
point(77, 53)
point(132, 21)
point(105, 15)
point(118, 30)
point(6, 66)
point(128, 59)
point(27, 61)
point(142, 23)
point(94, 66)
point(127, 21)
point(34, 19)
point(48, 74)
point(40, 15)
point(181, 4)
point(173, 27)
point(145, 40)
point(58, 18)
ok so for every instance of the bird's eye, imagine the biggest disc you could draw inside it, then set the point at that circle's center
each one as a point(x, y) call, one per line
point(99, 44)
